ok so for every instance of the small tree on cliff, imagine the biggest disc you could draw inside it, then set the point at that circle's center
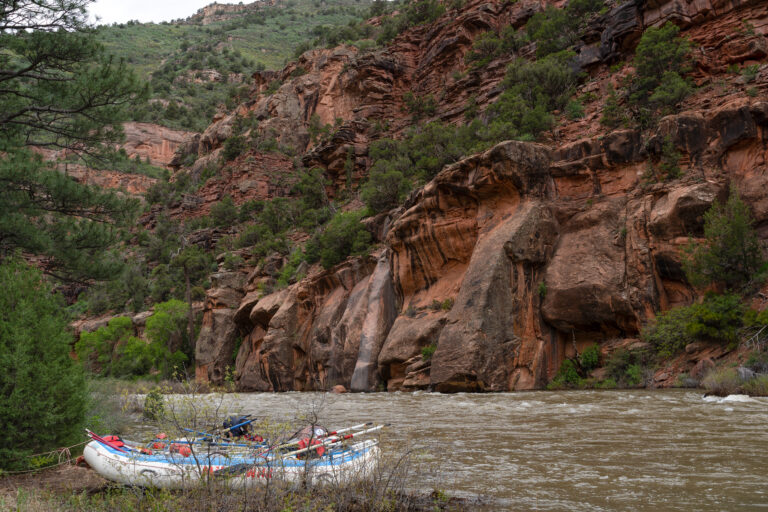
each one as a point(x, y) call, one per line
point(42, 390)
point(731, 255)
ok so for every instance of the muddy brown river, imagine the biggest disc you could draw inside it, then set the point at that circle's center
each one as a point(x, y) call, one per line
point(576, 450)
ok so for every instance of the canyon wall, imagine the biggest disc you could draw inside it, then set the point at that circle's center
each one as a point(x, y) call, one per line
point(510, 260)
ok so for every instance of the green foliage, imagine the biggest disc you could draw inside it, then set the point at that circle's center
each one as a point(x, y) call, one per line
point(750, 73)
point(178, 59)
point(542, 290)
point(419, 106)
point(567, 376)
point(532, 91)
point(43, 403)
point(731, 255)
point(660, 63)
point(233, 147)
point(167, 322)
point(669, 163)
point(574, 110)
point(613, 115)
point(757, 386)
point(717, 319)
point(225, 213)
point(94, 349)
point(556, 29)
point(154, 405)
point(60, 91)
point(589, 359)
point(43, 211)
point(288, 272)
point(627, 368)
point(344, 236)
point(232, 261)
point(489, 46)
point(114, 351)
point(428, 351)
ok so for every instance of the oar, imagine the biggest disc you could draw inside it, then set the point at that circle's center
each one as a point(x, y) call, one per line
point(333, 440)
point(103, 441)
point(327, 435)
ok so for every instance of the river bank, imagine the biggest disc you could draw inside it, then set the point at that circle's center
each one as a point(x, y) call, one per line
point(77, 489)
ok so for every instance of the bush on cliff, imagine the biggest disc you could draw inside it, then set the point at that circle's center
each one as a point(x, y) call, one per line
point(718, 319)
point(225, 213)
point(557, 29)
point(532, 90)
point(731, 255)
point(660, 63)
point(43, 399)
point(344, 236)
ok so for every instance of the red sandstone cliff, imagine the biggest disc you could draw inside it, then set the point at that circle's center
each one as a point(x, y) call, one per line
point(536, 249)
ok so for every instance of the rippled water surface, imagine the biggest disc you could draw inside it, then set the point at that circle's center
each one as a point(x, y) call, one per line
point(577, 450)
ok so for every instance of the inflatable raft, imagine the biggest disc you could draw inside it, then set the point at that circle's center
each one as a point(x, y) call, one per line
point(187, 463)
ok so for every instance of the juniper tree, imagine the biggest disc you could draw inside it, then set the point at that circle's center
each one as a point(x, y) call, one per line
point(42, 390)
point(731, 255)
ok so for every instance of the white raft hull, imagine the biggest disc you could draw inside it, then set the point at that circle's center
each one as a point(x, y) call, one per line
point(168, 471)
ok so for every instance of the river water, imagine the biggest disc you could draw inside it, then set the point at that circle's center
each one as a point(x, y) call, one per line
point(575, 450)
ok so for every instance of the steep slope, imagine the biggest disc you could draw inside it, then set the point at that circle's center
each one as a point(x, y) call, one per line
point(509, 260)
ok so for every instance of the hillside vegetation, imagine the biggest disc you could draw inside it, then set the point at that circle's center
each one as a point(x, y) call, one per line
point(194, 69)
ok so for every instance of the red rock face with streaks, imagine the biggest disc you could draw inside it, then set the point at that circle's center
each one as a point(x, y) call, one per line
point(510, 260)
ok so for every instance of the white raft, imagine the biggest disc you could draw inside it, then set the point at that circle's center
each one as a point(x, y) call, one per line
point(130, 466)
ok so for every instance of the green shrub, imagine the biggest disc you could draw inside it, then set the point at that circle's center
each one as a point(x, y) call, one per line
point(44, 398)
point(757, 361)
point(567, 376)
point(627, 368)
point(419, 106)
point(531, 91)
point(613, 115)
point(557, 29)
point(722, 382)
point(669, 163)
point(154, 405)
point(167, 322)
point(660, 58)
point(428, 351)
point(224, 213)
point(94, 349)
point(344, 236)
point(574, 110)
point(717, 319)
point(232, 261)
point(590, 358)
point(731, 255)
point(233, 147)
point(756, 386)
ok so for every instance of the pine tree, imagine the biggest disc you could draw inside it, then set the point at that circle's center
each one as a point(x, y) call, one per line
point(43, 395)
point(58, 90)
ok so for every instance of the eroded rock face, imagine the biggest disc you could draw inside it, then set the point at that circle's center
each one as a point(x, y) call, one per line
point(156, 142)
point(215, 346)
point(509, 260)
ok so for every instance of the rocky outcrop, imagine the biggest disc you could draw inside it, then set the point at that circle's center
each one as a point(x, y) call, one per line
point(215, 346)
point(157, 143)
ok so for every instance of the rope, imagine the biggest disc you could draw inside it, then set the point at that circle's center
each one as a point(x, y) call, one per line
point(64, 457)
point(36, 470)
